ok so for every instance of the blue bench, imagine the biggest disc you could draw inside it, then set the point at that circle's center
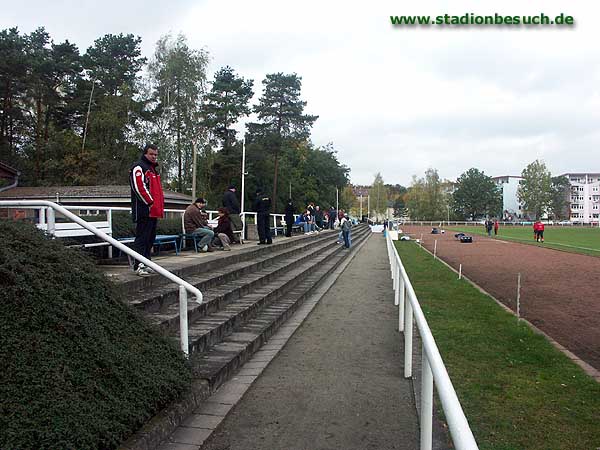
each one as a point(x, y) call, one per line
point(160, 239)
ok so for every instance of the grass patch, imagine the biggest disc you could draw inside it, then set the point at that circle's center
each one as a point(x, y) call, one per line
point(585, 241)
point(79, 368)
point(518, 392)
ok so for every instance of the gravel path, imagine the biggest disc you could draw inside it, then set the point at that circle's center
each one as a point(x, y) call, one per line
point(338, 382)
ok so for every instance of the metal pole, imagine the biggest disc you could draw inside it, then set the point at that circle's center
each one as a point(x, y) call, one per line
point(408, 340)
point(460, 271)
point(87, 117)
point(361, 206)
point(243, 187)
point(195, 150)
point(109, 220)
point(51, 222)
point(401, 304)
point(426, 404)
point(519, 296)
point(183, 320)
point(398, 283)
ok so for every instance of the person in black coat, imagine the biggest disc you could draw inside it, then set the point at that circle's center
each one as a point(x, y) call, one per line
point(231, 202)
point(262, 206)
point(289, 217)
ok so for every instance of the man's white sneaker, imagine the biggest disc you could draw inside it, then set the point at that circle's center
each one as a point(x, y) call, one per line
point(205, 248)
point(142, 271)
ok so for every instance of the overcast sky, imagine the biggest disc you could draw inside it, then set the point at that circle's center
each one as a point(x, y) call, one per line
point(392, 100)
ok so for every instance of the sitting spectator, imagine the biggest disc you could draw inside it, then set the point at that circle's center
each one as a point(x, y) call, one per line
point(223, 229)
point(195, 221)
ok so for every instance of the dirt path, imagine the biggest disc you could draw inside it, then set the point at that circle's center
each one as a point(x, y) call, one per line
point(338, 382)
point(560, 291)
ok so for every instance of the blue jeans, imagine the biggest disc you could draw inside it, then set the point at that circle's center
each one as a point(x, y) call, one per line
point(205, 235)
point(346, 235)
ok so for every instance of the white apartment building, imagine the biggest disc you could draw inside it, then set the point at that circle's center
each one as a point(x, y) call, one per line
point(511, 208)
point(584, 201)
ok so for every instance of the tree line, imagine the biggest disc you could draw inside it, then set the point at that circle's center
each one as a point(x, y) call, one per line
point(75, 118)
point(474, 195)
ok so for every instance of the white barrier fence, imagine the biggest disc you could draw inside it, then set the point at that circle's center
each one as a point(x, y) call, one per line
point(452, 223)
point(50, 209)
point(433, 369)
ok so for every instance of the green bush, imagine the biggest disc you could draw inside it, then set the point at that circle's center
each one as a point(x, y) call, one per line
point(79, 369)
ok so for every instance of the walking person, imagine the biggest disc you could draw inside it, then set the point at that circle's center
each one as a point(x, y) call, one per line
point(496, 226)
point(262, 206)
point(289, 218)
point(488, 226)
point(538, 231)
point(147, 204)
point(346, 226)
point(231, 202)
point(195, 221)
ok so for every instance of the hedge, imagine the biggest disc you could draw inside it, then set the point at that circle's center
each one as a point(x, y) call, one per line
point(79, 369)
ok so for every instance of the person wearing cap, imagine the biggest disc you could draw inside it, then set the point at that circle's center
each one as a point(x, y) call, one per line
point(195, 221)
point(231, 202)
point(262, 206)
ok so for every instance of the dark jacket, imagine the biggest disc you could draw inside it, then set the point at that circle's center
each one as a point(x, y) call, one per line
point(231, 202)
point(262, 205)
point(289, 210)
point(224, 226)
point(147, 198)
point(194, 218)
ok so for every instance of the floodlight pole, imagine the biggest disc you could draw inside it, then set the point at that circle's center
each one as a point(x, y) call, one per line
point(243, 186)
point(361, 218)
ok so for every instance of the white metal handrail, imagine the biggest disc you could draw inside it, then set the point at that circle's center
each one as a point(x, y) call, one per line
point(184, 286)
point(110, 209)
point(433, 369)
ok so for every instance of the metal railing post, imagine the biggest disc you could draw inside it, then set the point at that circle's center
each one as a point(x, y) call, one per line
point(408, 339)
point(109, 220)
point(426, 404)
point(397, 282)
point(51, 217)
point(401, 305)
point(183, 320)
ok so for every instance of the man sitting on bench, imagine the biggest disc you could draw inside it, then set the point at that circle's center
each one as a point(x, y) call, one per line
point(195, 221)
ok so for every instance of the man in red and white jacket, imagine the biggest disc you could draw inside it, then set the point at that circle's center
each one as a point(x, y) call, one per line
point(147, 203)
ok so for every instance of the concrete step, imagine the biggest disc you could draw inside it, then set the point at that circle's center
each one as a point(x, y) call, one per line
point(217, 260)
point(238, 342)
point(219, 296)
point(210, 330)
point(158, 298)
